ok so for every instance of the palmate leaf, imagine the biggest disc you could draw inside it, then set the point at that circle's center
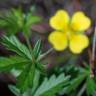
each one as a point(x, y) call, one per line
point(13, 44)
point(11, 21)
point(25, 79)
point(8, 63)
point(52, 86)
point(15, 20)
point(36, 81)
point(17, 92)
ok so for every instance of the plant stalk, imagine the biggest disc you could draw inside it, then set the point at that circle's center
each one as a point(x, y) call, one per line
point(82, 90)
point(93, 55)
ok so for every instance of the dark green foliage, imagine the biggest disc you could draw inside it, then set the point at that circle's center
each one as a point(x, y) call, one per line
point(13, 44)
point(23, 60)
point(90, 86)
point(14, 21)
point(17, 62)
point(31, 67)
point(52, 86)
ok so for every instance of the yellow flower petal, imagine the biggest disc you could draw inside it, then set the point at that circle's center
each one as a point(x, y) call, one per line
point(80, 22)
point(78, 43)
point(60, 20)
point(58, 40)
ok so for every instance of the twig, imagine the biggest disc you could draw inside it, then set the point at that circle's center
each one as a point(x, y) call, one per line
point(93, 54)
point(91, 63)
point(94, 45)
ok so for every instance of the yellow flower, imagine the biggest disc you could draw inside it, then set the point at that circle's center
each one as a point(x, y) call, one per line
point(80, 22)
point(58, 40)
point(78, 43)
point(60, 20)
point(69, 31)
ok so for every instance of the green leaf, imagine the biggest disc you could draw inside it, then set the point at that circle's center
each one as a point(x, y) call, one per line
point(11, 21)
point(52, 86)
point(25, 79)
point(41, 67)
point(14, 90)
point(90, 86)
point(75, 82)
point(18, 14)
point(15, 20)
point(35, 81)
point(37, 49)
point(8, 63)
point(30, 19)
point(13, 44)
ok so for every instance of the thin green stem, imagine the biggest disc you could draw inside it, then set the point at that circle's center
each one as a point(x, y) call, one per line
point(44, 54)
point(82, 90)
point(30, 48)
point(28, 44)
